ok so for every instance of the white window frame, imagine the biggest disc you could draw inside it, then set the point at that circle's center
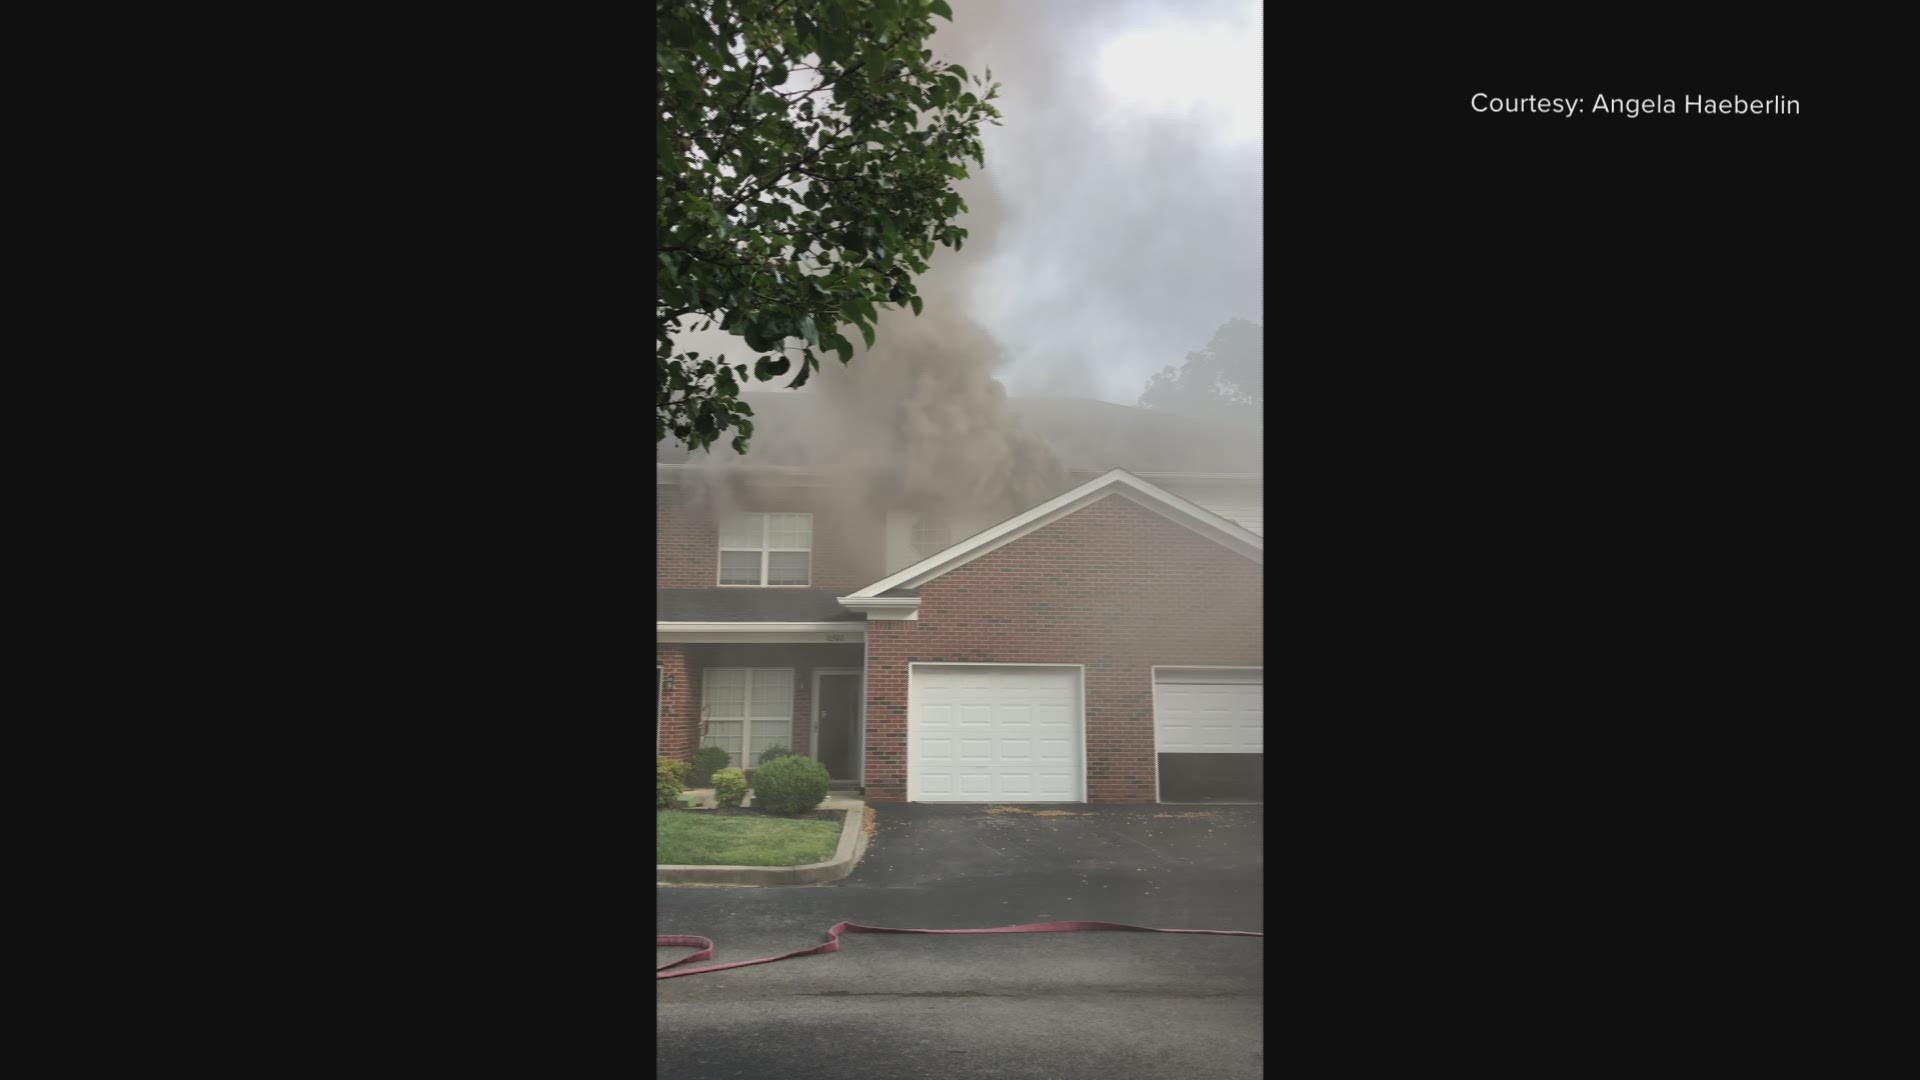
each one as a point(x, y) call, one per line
point(766, 527)
point(746, 704)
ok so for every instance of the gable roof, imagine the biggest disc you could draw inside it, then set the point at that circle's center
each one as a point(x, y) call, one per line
point(896, 589)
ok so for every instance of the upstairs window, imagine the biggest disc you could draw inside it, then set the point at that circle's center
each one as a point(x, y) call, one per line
point(766, 549)
point(930, 535)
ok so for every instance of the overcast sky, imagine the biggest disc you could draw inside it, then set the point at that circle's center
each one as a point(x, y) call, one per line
point(1126, 185)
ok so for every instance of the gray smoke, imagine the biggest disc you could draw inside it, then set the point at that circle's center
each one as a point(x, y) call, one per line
point(948, 435)
point(920, 415)
point(1106, 246)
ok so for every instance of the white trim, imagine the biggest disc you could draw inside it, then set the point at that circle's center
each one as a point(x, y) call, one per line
point(1081, 670)
point(1153, 676)
point(860, 710)
point(1259, 673)
point(1181, 511)
point(886, 608)
point(762, 632)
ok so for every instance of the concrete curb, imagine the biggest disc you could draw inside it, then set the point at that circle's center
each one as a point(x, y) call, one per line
point(852, 847)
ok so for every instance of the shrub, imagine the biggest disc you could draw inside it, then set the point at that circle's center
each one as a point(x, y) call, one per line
point(706, 761)
point(669, 781)
point(791, 785)
point(729, 787)
point(774, 753)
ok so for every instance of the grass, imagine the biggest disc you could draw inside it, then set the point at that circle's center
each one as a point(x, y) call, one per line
point(691, 838)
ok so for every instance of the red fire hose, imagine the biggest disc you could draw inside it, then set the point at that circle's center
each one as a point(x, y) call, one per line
point(704, 946)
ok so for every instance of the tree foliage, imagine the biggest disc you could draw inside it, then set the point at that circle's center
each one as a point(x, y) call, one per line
point(1223, 379)
point(807, 153)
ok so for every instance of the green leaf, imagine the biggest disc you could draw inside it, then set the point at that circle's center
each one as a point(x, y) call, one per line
point(808, 330)
point(916, 302)
point(866, 332)
point(940, 8)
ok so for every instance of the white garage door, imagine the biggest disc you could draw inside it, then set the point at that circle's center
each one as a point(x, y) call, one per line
point(994, 734)
point(1209, 710)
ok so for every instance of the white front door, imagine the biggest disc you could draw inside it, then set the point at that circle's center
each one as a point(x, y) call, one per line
point(991, 733)
point(747, 710)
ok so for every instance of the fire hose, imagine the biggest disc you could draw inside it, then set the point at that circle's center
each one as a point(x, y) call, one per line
point(703, 947)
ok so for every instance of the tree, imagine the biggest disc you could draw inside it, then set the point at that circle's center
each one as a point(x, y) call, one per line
point(807, 151)
point(1223, 379)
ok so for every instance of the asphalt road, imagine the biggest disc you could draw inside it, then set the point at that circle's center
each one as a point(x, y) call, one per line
point(1110, 1005)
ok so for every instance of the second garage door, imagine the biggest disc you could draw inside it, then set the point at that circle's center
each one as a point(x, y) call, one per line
point(1209, 733)
point(984, 733)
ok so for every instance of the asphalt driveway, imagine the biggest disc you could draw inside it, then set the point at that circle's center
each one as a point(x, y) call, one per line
point(1052, 1005)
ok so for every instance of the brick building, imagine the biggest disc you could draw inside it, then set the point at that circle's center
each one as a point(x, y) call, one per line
point(1104, 646)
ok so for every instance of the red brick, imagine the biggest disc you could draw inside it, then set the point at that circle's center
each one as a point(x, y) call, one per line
point(1112, 586)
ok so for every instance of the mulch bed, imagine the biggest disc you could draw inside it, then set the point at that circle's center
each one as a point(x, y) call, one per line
point(748, 811)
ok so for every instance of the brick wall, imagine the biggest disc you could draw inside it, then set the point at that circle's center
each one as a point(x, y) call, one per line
point(848, 542)
point(1113, 586)
point(688, 551)
point(679, 703)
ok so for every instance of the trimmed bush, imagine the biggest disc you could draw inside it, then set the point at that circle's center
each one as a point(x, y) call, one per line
point(729, 787)
point(706, 761)
point(791, 785)
point(669, 781)
point(774, 753)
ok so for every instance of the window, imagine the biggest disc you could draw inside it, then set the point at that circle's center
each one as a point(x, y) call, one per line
point(930, 535)
point(766, 549)
point(754, 705)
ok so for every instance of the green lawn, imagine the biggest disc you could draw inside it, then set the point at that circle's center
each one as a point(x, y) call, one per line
point(692, 838)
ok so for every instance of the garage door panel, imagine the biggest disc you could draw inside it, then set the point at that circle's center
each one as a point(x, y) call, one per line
point(987, 733)
point(1223, 717)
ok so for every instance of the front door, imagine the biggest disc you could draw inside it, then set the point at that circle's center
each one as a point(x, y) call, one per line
point(838, 722)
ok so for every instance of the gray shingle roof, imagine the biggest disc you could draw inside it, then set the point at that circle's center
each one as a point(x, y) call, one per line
point(752, 605)
point(1087, 435)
